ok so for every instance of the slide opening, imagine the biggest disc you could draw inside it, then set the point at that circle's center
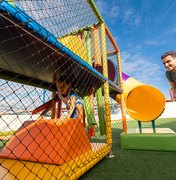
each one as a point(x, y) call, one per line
point(145, 103)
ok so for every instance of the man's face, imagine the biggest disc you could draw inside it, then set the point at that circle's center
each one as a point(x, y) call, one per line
point(169, 63)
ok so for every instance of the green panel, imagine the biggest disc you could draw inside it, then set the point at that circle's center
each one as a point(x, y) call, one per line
point(89, 112)
point(101, 111)
point(146, 141)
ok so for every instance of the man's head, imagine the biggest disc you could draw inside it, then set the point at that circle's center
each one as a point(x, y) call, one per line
point(63, 85)
point(169, 60)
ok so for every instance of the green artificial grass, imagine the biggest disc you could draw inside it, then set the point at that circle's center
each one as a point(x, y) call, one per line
point(135, 164)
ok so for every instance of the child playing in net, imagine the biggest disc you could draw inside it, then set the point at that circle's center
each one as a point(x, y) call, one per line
point(73, 103)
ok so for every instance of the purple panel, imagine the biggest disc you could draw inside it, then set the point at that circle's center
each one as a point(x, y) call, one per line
point(112, 72)
point(124, 76)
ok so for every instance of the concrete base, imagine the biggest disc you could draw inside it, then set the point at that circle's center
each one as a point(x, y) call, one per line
point(150, 130)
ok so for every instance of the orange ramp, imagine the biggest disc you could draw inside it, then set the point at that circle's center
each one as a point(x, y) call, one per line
point(46, 141)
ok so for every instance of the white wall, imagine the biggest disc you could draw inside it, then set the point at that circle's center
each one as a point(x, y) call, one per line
point(13, 122)
point(170, 110)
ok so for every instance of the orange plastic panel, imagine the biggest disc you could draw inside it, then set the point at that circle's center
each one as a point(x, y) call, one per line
point(48, 142)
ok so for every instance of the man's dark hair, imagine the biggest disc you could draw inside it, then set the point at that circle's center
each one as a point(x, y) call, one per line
point(169, 53)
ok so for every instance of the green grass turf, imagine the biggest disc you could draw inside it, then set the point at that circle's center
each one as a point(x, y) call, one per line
point(136, 164)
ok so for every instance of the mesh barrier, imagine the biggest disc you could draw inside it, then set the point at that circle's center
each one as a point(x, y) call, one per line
point(58, 72)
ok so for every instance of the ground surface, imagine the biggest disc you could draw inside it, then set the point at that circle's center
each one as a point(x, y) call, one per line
point(133, 164)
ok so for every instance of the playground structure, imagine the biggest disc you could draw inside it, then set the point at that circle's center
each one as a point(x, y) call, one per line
point(137, 93)
point(153, 106)
point(38, 44)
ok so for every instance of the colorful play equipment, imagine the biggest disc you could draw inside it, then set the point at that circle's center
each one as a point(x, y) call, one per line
point(40, 41)
point(143, 102)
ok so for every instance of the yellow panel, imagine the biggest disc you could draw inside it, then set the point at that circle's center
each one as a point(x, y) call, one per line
point(75, 44)
point(15, 169)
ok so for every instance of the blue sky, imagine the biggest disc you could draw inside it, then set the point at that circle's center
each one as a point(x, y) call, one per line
point(143, 30)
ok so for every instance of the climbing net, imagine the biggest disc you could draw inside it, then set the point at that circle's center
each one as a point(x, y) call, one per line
point(58, 70)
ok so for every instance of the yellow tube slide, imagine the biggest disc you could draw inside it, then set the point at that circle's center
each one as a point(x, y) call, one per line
point(143, 102)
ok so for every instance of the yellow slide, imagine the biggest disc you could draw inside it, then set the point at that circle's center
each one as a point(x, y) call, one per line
point(143, 102)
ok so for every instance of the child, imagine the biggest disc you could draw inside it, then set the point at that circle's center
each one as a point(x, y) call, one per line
point(69, 98)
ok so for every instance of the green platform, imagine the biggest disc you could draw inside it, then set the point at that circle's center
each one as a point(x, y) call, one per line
point(163, 140)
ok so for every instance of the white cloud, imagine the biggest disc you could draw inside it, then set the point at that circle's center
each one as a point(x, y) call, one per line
point(137, 20)
point(162, 38)
point(151, 42)
point(131, 17)
point(140, 68)
point(106, 10)
point(128, 13)
point(169, 32)
point(117, 10)
point(114, 11)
